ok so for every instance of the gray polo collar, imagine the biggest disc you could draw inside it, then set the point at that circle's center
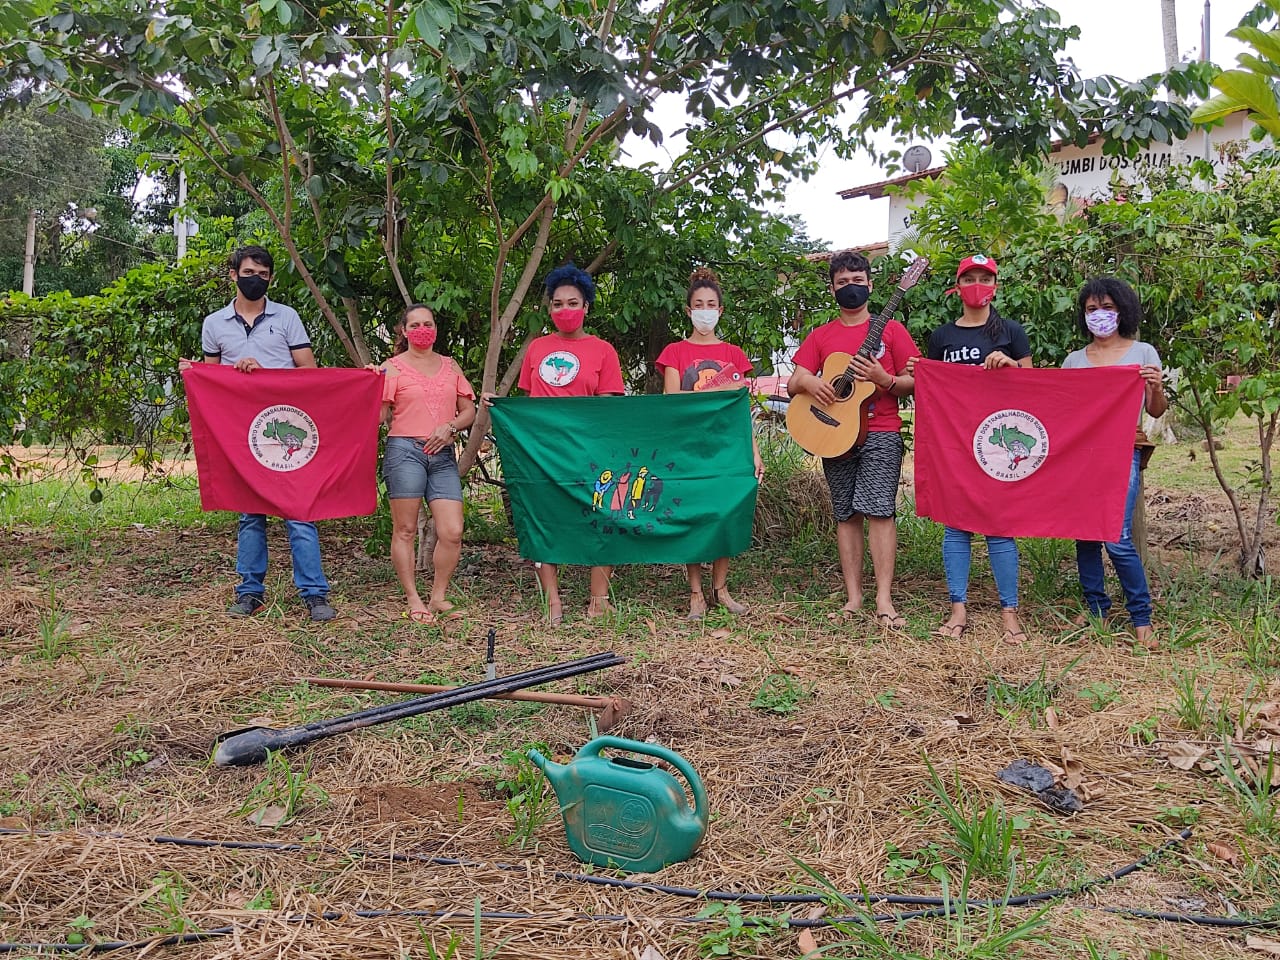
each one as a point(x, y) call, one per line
point(229, 311)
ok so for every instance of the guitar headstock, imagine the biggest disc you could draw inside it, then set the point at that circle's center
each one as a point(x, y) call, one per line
point(911, 276)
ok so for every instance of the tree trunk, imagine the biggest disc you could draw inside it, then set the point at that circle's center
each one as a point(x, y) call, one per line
point(29, 259)
point(1169, 29)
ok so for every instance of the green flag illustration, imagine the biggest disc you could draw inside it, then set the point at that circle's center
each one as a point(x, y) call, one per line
point(647, 479)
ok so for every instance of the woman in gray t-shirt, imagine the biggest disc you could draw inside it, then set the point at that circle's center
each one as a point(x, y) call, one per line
point(1108, 312)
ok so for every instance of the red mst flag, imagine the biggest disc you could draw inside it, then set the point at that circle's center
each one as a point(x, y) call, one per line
point(1020, 452)
point(300, 444)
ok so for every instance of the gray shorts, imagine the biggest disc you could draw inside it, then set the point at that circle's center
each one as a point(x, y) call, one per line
point(412, 474)
point(866, 480)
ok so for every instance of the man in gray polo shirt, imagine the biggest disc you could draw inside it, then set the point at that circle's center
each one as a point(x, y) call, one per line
point(251, 333)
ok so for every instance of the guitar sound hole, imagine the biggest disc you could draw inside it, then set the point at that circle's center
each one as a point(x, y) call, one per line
point(842, 386)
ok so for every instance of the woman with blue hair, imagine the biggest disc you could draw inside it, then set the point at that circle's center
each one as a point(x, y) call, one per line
point(571, 363)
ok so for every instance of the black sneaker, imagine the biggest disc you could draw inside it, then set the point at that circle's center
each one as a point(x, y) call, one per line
point(246, 605)
point(320, 609)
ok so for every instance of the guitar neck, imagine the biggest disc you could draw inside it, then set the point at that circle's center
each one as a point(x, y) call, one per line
point(881, 320)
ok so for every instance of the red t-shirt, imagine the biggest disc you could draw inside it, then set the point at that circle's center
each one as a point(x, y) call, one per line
point(556, 366)
point(896, 348)
point(701, 364)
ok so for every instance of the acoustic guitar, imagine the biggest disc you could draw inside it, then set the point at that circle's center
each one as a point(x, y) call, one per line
point(835, 429)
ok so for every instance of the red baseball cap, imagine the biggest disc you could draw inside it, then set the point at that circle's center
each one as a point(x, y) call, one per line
point(978, 261)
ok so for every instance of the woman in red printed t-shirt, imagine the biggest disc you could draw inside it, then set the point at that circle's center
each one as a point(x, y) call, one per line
point(703, 361)
point(427, 401)
point(571, 363)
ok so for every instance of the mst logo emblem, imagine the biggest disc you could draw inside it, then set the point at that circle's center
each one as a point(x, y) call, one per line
point(559, 369)
point(283, 438)
point(1010, 445)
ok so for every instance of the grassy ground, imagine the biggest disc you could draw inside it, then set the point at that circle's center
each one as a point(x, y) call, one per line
point(833, 754)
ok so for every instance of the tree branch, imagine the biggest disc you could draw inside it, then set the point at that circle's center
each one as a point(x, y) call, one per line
point(391, 232)
point(777, 125)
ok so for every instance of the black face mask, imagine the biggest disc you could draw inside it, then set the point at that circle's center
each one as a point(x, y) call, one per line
point(853, 295)
point(253, 288)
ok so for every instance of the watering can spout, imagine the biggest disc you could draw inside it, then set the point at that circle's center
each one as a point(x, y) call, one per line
point(552, 770)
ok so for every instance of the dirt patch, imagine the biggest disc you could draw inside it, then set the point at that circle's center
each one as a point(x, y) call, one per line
point(438, 802)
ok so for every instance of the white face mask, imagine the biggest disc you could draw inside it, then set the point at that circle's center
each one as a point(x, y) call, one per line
point(704, 321)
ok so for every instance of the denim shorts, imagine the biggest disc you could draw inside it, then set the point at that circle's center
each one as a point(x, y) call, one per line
point(412, 474)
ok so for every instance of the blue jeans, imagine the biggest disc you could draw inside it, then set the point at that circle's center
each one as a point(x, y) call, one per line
point(1124, 557)
point(957, 553)
point(251, 556)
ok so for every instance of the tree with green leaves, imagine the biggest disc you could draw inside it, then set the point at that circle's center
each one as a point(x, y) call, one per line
point(1255, 84)
point(52, 169)
point(1204, 263)
point(382, 137)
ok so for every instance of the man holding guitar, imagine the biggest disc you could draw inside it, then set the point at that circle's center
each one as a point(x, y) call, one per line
point(871, 357)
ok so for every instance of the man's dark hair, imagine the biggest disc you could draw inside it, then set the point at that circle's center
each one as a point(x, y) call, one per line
point(257, 254)
point(571, 275)
point(849, 260)
point(1121, 294)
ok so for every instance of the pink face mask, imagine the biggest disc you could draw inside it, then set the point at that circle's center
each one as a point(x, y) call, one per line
point(421, 337)
point(977, 295)
point(568, 320)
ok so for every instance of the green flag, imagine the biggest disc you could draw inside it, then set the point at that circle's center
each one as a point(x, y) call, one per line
point(649, 479)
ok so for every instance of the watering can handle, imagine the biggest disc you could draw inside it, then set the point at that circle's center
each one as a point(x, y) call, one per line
point(662, 753)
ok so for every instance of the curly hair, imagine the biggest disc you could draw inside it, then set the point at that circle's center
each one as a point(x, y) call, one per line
point(849, 260)
point(571, 275)
point(703, 278)
point(1127, 304)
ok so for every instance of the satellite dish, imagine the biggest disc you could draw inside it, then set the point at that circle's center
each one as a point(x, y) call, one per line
point(917, 158)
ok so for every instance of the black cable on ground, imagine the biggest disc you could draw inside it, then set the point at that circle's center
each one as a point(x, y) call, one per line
point(937, 907)
point(185, 938)
point(649, 887)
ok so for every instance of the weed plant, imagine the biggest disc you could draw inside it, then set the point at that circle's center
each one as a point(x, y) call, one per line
point(529, 797)
point(1196, 708)
point(741, 935)
point(52, 636)
point(971, 934)
point(1259, 631)
point(781, 693)
point(1099, 695)
point(981, 837)
point(285, 787)
point(1254, 793)
point(1031, 698)
point(168, 904)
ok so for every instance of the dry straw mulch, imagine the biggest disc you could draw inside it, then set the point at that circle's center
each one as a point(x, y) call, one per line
point(106, 746)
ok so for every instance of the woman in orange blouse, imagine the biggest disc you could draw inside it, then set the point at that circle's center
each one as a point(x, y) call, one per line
point(427, 401)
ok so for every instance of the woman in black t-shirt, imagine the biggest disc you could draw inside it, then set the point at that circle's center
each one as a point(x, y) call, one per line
point(981, 337)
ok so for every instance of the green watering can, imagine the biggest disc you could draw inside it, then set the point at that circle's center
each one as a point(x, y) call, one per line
point(624, 813)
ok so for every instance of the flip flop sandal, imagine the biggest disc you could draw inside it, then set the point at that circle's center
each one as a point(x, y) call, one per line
point(892, 622)
point(420, 617)
point(951, 631)
point(1014, 636)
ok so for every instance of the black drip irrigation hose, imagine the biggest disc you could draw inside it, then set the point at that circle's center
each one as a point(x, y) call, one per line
point(937, 907)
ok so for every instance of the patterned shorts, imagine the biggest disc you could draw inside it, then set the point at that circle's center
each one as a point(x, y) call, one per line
point(866, 480)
